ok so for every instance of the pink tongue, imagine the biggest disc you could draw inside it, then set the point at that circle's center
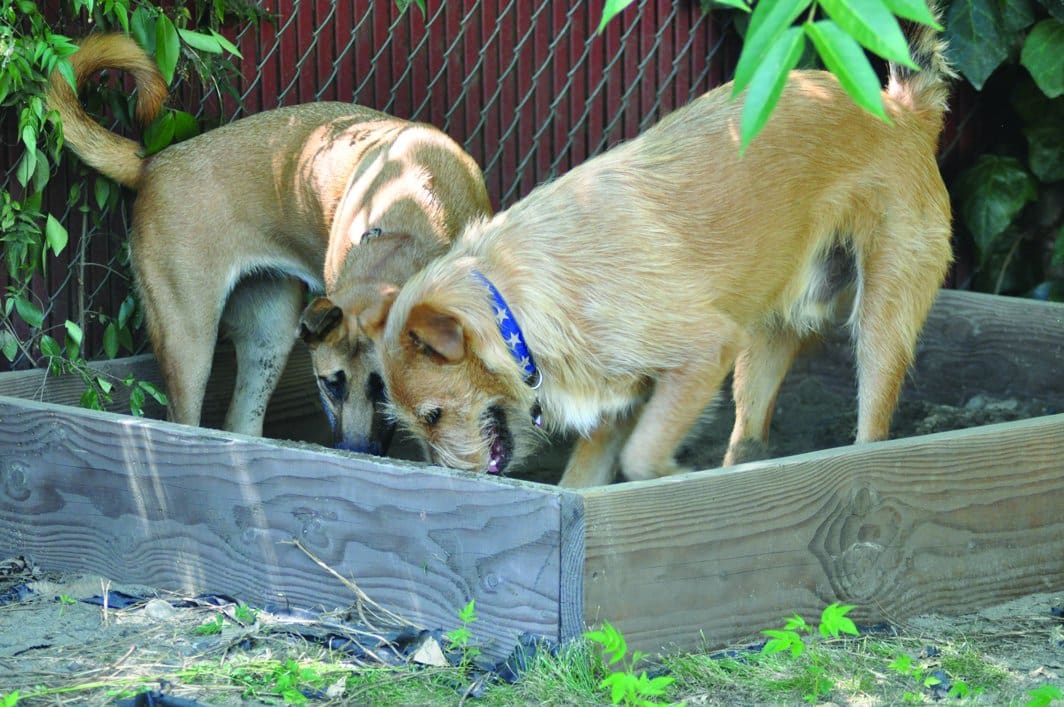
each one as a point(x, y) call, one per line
point(496, 453)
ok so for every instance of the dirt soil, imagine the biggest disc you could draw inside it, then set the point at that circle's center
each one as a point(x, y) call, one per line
point(809, 417)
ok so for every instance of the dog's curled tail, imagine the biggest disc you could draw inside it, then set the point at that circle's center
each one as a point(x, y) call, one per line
point(116, 156)
point(928, 88)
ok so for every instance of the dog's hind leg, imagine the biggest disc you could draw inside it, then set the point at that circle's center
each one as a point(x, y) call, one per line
point(260, 318)
point(900, 280)
point(759, 371)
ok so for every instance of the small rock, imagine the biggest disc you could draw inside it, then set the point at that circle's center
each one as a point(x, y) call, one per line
point(159, 610)
point(430, 653)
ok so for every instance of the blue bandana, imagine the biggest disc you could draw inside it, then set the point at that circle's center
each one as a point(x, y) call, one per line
point(511, 334)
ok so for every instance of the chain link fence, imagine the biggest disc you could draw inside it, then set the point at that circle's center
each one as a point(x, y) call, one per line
point(527, 86)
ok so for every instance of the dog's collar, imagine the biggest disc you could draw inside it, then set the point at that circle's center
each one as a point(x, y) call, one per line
point(510, 331)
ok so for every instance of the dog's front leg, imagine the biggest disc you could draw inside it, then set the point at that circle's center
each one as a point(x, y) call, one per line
point(593, 461)
point(680, 395)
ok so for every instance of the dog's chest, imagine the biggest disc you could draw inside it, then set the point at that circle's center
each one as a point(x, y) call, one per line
point(582, 411)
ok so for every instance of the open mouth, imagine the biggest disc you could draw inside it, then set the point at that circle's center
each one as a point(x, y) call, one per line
point(501, 442)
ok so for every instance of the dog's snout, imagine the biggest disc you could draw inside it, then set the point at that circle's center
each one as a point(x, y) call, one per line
point(375, 388)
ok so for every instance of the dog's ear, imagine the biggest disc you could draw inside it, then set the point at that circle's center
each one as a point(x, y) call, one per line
point(437, 334)
point(319, 318)
point(373, 318)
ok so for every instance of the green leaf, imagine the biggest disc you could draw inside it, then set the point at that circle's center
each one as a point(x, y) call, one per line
point(121, 11)
point(66, 70)
point(232, 48)
point(185, 125)
point(142, 27)
point(74, 332)
point(845, 58)
point(55, 235)
point(110, 340)
point(873, 26)
point(611, 9)
point(977, 39)
point(902, 664)
point(767, 24)
point(27, 167)
point(991, 194)
point(1044, 695)
point(404, 4)
point(90, 400)
point(167, 47)
point(8, 344)
point(834, 620)
point(102, 192)
point(128, 306)
point(160, 397)
point(782, 641)
point(200, 41)
point(29, 312)
point(1042, 118)
point(768, 82)
point(136, 402)
point(1043, 55)
point(50, 347)
point(915, 10)
point(1017, 15)
point(159, 134)
point(1055, 7)
point(734, 4)
point(468, 613)
point(1045, 149)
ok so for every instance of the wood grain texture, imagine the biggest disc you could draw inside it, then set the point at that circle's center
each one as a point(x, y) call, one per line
point(294, 412)
point(940, 523)
point(972, 344)
point(193, 510)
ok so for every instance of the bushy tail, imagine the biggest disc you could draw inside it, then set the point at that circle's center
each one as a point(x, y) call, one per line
point(116, 156)
point(928, 88)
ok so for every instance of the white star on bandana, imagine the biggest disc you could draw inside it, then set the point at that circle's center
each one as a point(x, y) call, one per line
point(501, 315)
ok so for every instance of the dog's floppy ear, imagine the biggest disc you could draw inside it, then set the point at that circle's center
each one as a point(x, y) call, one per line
point(373, 318)
point(437, 334)
point(319, 318)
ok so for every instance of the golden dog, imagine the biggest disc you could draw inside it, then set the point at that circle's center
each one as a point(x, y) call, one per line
point(229, 225)
point(614, 300)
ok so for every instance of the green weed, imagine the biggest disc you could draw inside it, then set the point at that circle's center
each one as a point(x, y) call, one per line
point(623, 685)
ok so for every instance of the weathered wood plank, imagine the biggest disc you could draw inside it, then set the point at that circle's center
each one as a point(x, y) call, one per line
point(294, 412)
point(972, 343)
point(194, 510)
point(945, 522)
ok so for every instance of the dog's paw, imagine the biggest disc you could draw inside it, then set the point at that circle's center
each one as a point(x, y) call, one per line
point(747, 450)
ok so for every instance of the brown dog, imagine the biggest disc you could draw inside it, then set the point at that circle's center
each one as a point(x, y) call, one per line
point(341, 327)
point(227, 226)
point(640, 278)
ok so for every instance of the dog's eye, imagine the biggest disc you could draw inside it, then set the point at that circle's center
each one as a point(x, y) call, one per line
point(375, 388)
point(432, 417)
point(335, 386)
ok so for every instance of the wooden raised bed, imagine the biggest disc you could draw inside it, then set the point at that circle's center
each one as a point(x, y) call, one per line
point(944, 522)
